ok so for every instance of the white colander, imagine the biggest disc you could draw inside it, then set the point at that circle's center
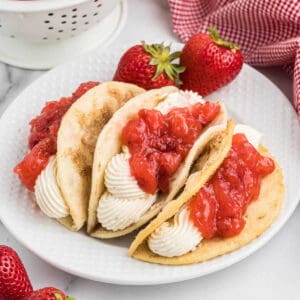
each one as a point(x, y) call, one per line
point(40, 34)
point(51, 20)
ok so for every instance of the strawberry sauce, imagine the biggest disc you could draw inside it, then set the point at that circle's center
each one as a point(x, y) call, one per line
point(43, 136)
point(159, 143)
point(218, 208)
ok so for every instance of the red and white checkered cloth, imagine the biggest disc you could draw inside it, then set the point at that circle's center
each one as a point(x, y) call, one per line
point(268, 31)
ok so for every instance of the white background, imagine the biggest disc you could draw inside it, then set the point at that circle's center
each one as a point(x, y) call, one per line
point(271, 273)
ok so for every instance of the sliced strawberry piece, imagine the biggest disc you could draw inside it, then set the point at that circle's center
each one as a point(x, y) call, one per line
point(178, 126)
point(154, 120)
point(83, 88)
point(203, 211)
point(34, 162)
point(169, 162)
point(206, 112)
point(144, 173)
point(134, 132)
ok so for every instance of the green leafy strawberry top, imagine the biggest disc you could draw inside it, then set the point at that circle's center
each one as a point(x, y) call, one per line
point(59, 297)
point(213, 33)
point(163, 60)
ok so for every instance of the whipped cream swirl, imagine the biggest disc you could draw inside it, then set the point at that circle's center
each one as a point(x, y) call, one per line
point(124, 202)
point(175, 239)
point(47, 192)
point(179, 99)
point(118, 179)
point(118, 213)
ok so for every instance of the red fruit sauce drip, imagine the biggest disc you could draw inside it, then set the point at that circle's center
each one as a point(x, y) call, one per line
point(159, 143)
point(218, 208)
point(43, 136)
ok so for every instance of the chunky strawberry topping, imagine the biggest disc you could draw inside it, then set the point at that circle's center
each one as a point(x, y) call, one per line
point(218, 208)
point(159, 143)
point(43, 136)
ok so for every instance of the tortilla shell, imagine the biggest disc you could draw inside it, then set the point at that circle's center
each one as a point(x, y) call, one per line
point(259, 217)
point(76, 142)
point(211, 158)
point(109, 144)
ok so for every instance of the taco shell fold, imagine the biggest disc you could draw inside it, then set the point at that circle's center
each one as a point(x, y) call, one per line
point(76, 142)
point(109, 144)
point(259, 216)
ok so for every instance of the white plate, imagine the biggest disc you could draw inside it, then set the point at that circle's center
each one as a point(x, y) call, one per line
point(251, 99)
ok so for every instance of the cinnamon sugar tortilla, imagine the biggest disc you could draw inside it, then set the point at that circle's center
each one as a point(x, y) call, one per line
point(109, 144)
point(259, 217)
point(76, 142)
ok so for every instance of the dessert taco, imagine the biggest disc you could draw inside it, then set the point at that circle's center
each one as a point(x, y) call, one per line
point(224, 205)
point(62, 142)
point(144, 154)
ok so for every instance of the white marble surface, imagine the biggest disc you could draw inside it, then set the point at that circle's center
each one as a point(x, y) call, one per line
point(271, 273)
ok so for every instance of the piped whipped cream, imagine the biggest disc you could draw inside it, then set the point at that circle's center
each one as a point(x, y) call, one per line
point(182, 236)
point(118, 179)
point(47, 192)
point(175, 239)
point(116, 213)
point(179, 99)
point(125, 202)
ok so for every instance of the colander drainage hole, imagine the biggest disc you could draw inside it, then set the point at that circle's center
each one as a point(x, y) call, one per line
point(51, 14)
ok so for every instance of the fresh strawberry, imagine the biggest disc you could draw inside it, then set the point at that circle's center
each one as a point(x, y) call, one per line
point(14, 281)
point(48, 293)
point(210, 62)
point(149, 66)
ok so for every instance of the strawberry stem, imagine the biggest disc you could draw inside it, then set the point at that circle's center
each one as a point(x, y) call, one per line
point(163, 60)
point(58, 296)
point(219, 41)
